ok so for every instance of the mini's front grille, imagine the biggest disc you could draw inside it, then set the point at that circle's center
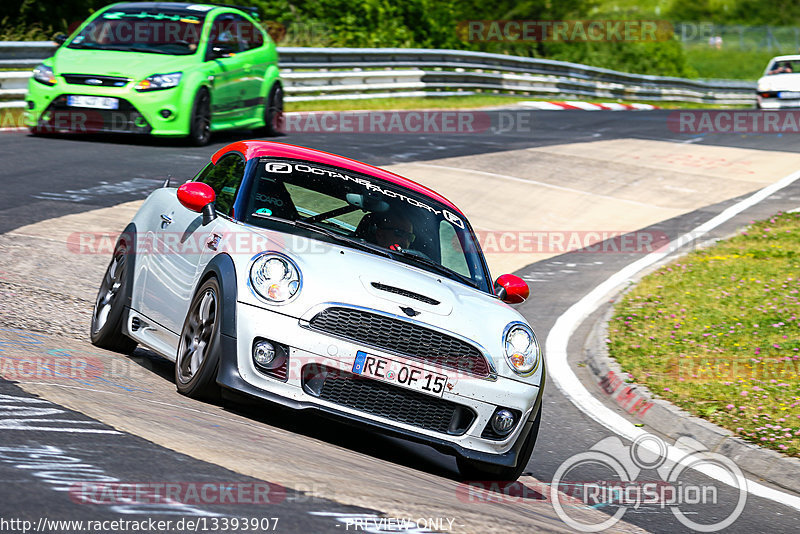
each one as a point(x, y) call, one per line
point(96, 81)
point(402, 337)
point(405, 293)
point(388, 401)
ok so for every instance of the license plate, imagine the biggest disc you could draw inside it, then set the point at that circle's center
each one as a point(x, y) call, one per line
point(399, 373)
point(96, 102)
point(789, 94)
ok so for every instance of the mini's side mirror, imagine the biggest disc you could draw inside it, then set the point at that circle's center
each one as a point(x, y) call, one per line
point(60, 38)
point(511, 289)
point(199, 198)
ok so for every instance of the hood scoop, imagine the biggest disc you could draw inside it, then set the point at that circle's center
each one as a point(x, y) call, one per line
point(406, 293)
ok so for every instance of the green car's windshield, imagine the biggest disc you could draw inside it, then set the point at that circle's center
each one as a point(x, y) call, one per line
point(366, 212)
point(144, 28)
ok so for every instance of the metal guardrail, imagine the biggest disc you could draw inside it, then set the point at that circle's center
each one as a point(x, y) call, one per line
point(356, 73)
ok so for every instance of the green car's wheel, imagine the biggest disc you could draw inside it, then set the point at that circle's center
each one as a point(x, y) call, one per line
point(200, 127)
point(273, 112)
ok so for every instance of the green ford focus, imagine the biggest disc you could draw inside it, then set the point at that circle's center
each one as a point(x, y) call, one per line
point(165, 69)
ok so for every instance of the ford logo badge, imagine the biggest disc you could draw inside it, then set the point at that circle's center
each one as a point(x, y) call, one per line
point(93, 81)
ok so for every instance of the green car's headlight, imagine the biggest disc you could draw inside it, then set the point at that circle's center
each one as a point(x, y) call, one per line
point(159, 81)
point(274, 277)
point(521, 348)
point(44, 74)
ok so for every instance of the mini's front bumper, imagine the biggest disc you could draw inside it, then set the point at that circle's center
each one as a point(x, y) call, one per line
point(307, 347)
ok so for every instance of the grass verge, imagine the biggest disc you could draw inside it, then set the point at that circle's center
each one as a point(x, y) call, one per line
point(462, 102)
point(717, 333)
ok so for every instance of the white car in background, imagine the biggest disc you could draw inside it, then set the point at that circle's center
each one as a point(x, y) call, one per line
point(779, 86)
point(321, 283)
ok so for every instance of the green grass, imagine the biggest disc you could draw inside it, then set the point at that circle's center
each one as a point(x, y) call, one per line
point(433, 102)
point(462, 102)
point(718, 333)
point(729, 63)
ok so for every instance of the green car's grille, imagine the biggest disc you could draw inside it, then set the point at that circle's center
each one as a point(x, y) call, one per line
point(95, 80)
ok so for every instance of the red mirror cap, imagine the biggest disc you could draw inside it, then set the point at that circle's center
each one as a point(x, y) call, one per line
point(512, 289)
point(196, 195)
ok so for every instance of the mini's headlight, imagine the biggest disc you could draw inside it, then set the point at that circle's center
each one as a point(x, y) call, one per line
point(159, 81)
point(521, 348)
point(44, 74)
point(274, 277)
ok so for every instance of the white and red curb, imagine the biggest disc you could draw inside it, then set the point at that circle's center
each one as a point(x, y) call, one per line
point(586, 106)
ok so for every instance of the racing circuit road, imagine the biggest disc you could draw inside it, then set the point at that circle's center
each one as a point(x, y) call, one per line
point(573, 171)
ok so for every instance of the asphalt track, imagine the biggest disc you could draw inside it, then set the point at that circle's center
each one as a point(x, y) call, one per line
point(44, 178)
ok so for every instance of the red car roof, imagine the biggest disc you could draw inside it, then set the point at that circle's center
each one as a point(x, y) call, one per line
point(255, 149)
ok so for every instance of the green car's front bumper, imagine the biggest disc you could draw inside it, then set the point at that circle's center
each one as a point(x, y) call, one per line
point(165, 112)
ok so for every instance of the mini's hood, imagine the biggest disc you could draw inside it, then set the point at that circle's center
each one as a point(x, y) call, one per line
point(338, 274)
point(136, 65)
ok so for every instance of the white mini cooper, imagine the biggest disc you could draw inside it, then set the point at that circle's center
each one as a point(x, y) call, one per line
point(318, 282)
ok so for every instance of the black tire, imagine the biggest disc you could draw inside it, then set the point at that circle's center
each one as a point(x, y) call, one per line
point(200, 125)
point(476, 470)
point(198, 355)
point(273, 112)
point(109, 313)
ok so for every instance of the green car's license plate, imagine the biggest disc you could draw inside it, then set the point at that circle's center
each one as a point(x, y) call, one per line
point(96, 102)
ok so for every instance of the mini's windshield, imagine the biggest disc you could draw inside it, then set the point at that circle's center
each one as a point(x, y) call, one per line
point(135, 29)
point(364, 210)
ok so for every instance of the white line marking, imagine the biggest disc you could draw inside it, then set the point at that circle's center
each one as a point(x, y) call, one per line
point(568, 322)
point(534, 182)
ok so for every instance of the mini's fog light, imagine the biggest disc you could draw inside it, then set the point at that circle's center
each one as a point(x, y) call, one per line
point(263, 353)
point(503, 421)
point(165, 113)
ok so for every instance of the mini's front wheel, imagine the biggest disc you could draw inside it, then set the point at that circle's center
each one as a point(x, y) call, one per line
point(108, 316)
point(198, 351)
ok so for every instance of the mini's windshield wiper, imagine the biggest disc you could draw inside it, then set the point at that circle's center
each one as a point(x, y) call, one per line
point(362, 245)
point(438, 267)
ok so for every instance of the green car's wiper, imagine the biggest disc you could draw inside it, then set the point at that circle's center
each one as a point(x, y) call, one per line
point(147, 50)
point(438, 267)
